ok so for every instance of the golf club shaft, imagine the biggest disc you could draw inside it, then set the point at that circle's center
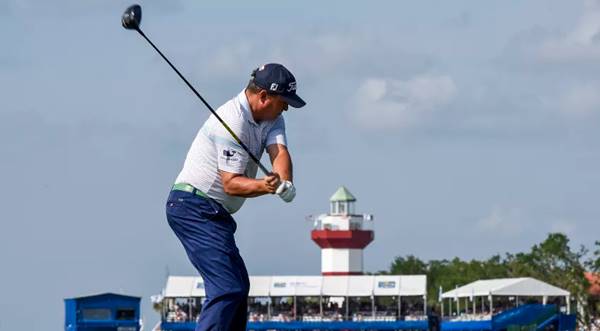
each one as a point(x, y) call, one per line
point(257, 161)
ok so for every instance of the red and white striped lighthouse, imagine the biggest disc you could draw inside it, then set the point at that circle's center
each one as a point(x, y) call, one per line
point(342, 235)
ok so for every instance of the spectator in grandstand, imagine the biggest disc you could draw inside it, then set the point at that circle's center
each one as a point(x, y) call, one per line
point(180, 315)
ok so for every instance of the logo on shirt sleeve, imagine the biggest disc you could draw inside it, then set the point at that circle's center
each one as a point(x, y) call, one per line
point(231, 155)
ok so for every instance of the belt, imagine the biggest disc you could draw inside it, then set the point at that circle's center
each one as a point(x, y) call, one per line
point(188, 188)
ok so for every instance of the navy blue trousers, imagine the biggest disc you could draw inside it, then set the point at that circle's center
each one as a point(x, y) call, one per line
point(206, 231)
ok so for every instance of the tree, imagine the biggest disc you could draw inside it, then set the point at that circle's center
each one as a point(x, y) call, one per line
point(409, 265)
point(593, 304)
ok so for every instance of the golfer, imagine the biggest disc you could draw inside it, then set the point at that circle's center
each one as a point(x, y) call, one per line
point(218, 175)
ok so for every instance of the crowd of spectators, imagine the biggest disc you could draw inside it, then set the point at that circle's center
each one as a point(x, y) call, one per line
point(182, 309)
point(178, 313)
point(305, 309)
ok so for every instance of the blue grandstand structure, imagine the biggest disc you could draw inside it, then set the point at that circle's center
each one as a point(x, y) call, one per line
point(531, 317)
point(103, 312)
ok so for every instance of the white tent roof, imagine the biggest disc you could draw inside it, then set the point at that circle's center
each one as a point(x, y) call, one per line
point(179, 286)
point(264, 286)
point(506, 287)
point(335, 286)
point(412, 285)
point(386, 285)
point(295, 285)
point(308, 285)
point(360, 286)
point(198, 287)
point(282, 286)
point(259, 286)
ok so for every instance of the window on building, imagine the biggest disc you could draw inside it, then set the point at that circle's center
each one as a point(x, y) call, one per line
point(342, 208)
point(95, 314)
point(125, 314)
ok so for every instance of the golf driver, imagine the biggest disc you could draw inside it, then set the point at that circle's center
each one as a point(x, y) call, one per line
point(132, 17)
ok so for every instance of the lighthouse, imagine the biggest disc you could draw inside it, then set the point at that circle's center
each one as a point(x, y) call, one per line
point(342, 234)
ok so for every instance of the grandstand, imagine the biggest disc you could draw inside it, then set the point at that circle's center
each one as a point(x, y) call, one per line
point(383, 302)
point(306, 299)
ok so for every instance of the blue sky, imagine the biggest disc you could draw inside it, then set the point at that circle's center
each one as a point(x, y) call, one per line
point(467, 128)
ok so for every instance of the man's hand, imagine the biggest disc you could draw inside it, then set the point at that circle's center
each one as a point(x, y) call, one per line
point(272, 182)
point(286, 191)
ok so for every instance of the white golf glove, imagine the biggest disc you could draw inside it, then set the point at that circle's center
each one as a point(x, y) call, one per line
point(286, 191)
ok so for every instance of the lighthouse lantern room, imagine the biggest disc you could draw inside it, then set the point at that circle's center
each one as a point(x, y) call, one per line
point(342, 235)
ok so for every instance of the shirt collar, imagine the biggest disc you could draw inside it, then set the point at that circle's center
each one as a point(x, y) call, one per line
point(246, 107)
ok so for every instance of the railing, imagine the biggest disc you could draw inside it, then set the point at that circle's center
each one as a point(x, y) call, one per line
point(355, 222)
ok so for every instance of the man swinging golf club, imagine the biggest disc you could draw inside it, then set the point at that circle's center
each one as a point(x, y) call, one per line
point(218, 175)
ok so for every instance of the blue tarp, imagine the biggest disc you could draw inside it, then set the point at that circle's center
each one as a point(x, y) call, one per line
point(523, 315)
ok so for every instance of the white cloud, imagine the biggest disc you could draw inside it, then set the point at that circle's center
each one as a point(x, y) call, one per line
point(577, 45)
point(502, 221)
point(392, 104)
point(581, 43)
point(567, 59)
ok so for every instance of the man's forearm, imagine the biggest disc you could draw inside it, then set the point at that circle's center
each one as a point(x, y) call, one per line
point(282, 165)
point(245, 187)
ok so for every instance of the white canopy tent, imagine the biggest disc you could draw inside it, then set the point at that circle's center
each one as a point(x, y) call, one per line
point(410, 285)
point(340, 287)
point(386, 285)
point(512, 287)
point(413, 285)
point(295, 286)
point(198, 287)
point(401, 286)
point(259, 286)
point(308, 286)
point(360, 286)
point(179, 286)
point(335, 286)
point(282, 286)
point(507, 287)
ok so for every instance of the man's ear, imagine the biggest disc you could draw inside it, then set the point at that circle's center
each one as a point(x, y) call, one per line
point(262, 95)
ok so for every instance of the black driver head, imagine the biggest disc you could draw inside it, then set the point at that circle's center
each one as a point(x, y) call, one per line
point(132, 17)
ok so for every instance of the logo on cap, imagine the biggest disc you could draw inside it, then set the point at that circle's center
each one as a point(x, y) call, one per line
point(292, 87)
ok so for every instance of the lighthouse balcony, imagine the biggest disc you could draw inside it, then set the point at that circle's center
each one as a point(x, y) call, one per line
point(342, 223)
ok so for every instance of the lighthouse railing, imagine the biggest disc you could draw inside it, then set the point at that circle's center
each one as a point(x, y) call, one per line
point(341, 223)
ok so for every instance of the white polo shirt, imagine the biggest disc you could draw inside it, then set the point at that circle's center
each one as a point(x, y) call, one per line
point(215, 149)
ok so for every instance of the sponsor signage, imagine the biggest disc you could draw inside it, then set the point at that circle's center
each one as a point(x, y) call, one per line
point(386, 284)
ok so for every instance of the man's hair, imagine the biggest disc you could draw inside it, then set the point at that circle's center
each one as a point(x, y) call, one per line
point(252, 87)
